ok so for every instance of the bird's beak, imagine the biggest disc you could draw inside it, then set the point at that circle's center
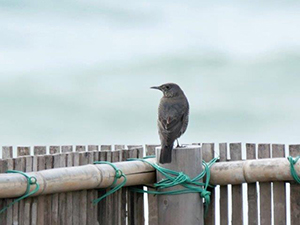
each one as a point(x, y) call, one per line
point(158, 88)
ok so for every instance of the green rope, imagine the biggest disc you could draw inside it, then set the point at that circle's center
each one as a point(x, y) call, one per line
point(174, 178)
point(30, 181)
point(114, 188)
point(293, 170)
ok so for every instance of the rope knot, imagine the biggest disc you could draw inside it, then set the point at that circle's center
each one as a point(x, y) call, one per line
point(119, 173)
point(205, 194)
point(113, 187)
point(32, 180)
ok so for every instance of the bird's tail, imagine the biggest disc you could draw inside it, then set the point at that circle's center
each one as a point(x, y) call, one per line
point(166, 154)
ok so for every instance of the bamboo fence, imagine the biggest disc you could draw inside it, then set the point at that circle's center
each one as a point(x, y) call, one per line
point(263, 202)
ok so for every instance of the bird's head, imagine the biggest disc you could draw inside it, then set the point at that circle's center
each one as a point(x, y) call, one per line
point(169, 90)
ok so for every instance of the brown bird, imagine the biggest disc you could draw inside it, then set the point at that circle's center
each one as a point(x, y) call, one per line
point(173, 117)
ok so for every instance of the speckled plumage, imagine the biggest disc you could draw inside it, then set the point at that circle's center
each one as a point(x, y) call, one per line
point(173, 116)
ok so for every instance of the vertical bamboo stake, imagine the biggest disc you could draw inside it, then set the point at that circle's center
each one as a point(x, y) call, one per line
point(132, 153)
point(116, 197)
point(279, 191)
point(39, 150)
point(139, 197)
point(66, 148)
point(237, 190)
point(90, 195)
point(54, 150)
point(124, 206)
point(7, 154)
point(48, 198)
point(109, 200)
point(181, 209)
point(65, 199)
point(208, 154)
point(95, 151)
point(136, 200)
point(69, 206)
point(265, 189)
point(3, 169)
point(83, 194)
point(28, 201)
point(152, 199)
point(38, 206)
point(223, 189)
point(119, 147)
point(54, 200)
point(102, 205)
point(105, 147)
point(294, 151)
point(252, 189)
point(21, 151)
point(62, 197)
point(76, 194)
point(9, 212)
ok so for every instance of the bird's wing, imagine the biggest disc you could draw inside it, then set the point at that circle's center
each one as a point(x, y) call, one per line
point(171, 121)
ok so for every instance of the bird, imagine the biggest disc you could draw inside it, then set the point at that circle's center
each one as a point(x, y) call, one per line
point(173, 118)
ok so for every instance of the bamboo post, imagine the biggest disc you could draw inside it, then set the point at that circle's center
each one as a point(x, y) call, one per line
point(294, 151)
point(237, 190)
point(208, 152)
point(252, 189)
point(21, 165)
point(75, 194)
point(28, 201)
point(223, 188)
point(3, 168)
point(7, 164)
point(181, 209)
point(265, 189)
point(91, 209)
point(48, 198)
point(152, 199)
point(69, 207)
point(83, 194)
point(38, 205)
point(279, 190)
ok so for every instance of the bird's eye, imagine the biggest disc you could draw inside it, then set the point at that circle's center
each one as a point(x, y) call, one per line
point(167, 87)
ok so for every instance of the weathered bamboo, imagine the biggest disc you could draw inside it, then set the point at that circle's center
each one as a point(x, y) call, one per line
point(249, 171)
point(223, 189)
point(264, 151)
point(294, 150)
point(171, 207)
point(279, 199)
point(102, 176)
point(237, 190)
point(208, 153)
point(77, 178)
point(152, 199)
point(252, 189)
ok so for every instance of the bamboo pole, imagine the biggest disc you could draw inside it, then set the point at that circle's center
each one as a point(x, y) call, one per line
point(138, 173)
point(249, 171)
point(77, 178)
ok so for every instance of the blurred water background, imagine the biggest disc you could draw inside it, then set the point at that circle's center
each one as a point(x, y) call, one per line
point(79, 72)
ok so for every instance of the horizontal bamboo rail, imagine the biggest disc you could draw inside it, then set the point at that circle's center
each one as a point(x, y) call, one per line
point(77, 178)
point(249, 171)
point(139, 173)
